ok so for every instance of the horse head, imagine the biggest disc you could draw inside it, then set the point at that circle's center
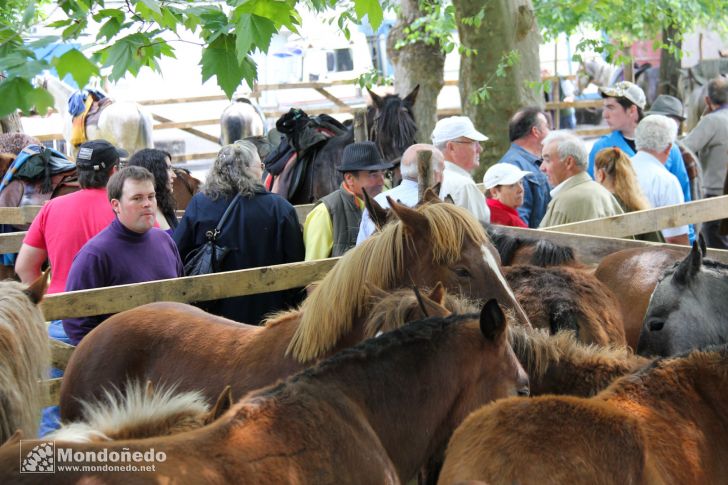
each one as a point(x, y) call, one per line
point(392, 123)
point(687, 308)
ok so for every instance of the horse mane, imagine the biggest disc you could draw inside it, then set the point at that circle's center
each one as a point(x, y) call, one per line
point(135, 414)
point(330, 310)
point(392, 311)
point(24, 361)
point(394, 125)
point(536, 349)
point(546, 253)
point(712, 357)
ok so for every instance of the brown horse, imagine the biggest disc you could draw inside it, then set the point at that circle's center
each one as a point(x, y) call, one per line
point(563, 298)
point(631, 275)
point(435, 242)
point(346, 420)
point(665, 424)
point(515, 250)
point(24, 356)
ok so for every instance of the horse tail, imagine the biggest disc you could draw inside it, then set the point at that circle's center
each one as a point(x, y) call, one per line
point(232, 128)
point(145, 135)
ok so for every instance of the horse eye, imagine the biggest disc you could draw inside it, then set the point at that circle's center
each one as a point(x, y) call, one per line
point(656, 325)
point(462, 273)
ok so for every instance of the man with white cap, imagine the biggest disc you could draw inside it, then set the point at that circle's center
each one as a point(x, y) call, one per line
point(503, 184)
point(459, 142)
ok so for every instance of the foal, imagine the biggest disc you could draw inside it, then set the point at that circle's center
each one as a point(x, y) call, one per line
point(346, 420)
point(666, 423)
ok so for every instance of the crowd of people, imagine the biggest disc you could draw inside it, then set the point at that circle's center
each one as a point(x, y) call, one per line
point(125, 230)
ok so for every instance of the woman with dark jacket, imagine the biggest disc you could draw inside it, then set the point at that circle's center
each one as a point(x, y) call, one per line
point(262, 229)
point(159, 163)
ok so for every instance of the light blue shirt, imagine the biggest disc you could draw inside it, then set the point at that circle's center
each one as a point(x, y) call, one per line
point(405, 193)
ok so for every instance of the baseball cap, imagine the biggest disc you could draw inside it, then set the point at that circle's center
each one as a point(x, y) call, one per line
point(625, 89)
point(455, 127)
point(668, 106)
point(503, 174)
point(98, 154)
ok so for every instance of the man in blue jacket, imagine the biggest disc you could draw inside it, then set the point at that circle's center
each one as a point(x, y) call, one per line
point(624, 104)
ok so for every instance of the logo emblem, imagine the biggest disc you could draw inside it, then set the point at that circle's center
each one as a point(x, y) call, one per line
point(38, 458)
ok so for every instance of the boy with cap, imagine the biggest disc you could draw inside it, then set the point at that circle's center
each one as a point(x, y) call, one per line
point(332, 226)
point(624, 104)
point(504, 186)
point(459, 142)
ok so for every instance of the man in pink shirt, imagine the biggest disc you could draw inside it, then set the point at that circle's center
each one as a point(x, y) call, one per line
point(65, 223)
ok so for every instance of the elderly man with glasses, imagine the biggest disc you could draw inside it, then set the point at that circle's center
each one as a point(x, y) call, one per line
point(459, 142)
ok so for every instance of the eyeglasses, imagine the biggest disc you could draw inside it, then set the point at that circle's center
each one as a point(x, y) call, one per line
point(466, 142)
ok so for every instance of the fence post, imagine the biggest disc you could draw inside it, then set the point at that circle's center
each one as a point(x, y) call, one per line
point(360, 126)
point(424, 173)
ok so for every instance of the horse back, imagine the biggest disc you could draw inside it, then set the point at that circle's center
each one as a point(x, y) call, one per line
point(546, 440)
point(170, 343)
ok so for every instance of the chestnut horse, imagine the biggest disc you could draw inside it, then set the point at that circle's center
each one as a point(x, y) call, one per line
point(664, 424)
point(24, 356)
point(631, 275)
point(357, 417)
point(435, 242)
point(563, 298)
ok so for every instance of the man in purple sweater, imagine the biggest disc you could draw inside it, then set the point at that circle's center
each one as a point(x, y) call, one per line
point(129, 250)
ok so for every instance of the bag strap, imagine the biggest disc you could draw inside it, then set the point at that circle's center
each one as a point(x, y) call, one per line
point(213, 234)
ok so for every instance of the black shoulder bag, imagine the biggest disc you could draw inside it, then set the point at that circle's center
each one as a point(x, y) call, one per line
point(208, 257)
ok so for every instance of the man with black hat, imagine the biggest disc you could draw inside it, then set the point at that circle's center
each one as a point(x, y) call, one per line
point(63, 226)
point(332, 226)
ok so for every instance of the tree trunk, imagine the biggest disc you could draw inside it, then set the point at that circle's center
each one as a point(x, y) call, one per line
point(508, 25)
point(11, 124)
point(417, 64)
point(669, 63)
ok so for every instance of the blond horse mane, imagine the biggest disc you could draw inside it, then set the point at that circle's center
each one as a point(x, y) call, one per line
point(136, 413)
point(24, 361)
point(329, 312)
point(391, 312)
point(539, 349)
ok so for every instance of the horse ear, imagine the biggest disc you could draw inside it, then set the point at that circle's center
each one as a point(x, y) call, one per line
point(223, 403)
point(412, 96)
point(448, 198)
point(414, 222)
point(430, 196)
point(492, 321)
point(37, 289)
point(376, 99)
point(377, 213)
point(14, 438)
point(689, 266)
point(438, 294)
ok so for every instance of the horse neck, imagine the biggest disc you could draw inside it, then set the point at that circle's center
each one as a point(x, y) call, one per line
point(390, 400)
point(60, 92)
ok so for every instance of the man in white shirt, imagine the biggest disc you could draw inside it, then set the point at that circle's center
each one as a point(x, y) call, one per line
point(406, 192)
point(654, 138)
point(459, 142)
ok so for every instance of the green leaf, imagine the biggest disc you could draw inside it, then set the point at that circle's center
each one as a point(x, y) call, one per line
point(73, 62)
point(280, 13)
point(220, 59)
point(109, 13)
point(151, 5)
point(253, 32)
point(370, 8)
point(18, 93)
point(109, 29)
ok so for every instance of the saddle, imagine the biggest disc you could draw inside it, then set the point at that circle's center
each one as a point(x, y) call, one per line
point(85, 107)
point(302, 138)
